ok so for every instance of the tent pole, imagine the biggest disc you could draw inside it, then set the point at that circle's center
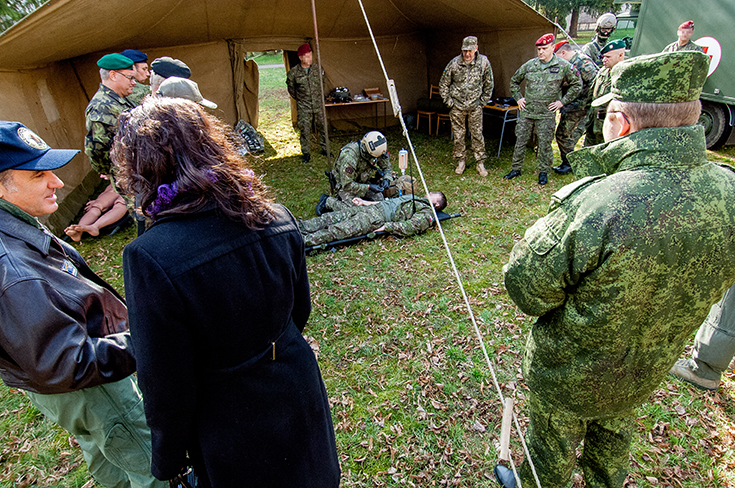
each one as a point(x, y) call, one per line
point(321, 85)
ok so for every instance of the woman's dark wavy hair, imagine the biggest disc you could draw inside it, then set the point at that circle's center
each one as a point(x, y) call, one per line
point(167, 140)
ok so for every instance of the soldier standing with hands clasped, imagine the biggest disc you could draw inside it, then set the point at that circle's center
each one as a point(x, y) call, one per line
point(303, 86)
point(466, 86)
point(545, 75)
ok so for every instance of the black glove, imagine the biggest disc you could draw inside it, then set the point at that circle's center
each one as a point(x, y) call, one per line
point(375, 188)
point(384, 184)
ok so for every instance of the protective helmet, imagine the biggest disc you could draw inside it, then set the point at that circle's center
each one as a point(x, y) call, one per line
point(607, 21)
point(375, 144)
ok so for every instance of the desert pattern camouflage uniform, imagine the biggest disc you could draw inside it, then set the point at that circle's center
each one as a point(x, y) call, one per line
point(303, 86)
point(603, 85)
point(354, 170)
point(101, 121)
point(544, 83)
point(574, 116)
point(593, 48)
point(689, 46)
point(397, 214)
point(139, 92)
point(466, 89)
point(592, 271)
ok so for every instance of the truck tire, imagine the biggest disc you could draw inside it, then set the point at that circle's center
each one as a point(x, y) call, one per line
point(714, 118)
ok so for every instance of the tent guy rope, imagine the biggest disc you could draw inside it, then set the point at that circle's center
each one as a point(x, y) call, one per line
point(397, 113)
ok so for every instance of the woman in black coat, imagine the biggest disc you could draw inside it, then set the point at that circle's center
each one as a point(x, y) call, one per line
point(218, 296)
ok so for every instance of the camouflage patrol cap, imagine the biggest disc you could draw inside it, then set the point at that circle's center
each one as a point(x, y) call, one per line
point(115, 61)
point(658, 78)
point(469, 43)
point(613, 45)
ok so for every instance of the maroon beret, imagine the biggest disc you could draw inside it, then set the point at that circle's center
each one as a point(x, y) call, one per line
point(545, 40)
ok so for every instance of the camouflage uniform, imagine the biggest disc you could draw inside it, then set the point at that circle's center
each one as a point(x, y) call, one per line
point(689, 46)
point(139, 92)
point(466, 89)
point(101, 120)
point(621, 272)
point(573, 119)
point(594, 128)
point(354, 170)
point(397, 214)
point(593, 48)
point(303, 86)
point(543, 86)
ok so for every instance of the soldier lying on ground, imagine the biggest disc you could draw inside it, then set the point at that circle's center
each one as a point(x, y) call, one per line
point(404, 216)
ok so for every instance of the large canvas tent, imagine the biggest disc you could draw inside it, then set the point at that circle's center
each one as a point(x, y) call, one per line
point(48, 71)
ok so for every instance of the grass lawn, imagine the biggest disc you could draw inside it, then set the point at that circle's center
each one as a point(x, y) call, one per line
point(412, 397)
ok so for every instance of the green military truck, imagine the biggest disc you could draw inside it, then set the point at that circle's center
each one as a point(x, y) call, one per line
point(714, 30)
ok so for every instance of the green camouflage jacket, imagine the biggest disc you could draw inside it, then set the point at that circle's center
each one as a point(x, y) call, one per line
point(689, 46)
point(544, 83)
point(303, 86)
point(400, 219)
point(587, 70)
point(466, 86)
point(603, 85)
point(623, 269)
point(593, 48)
point(353, 169)
point(139, 91)
point(101, 120)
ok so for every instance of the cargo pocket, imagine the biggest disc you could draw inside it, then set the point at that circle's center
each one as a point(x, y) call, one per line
point(125, 450)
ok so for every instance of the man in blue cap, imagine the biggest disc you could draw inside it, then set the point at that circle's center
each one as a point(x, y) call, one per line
point(141, 73)
point(63, 330)
point(118, 80)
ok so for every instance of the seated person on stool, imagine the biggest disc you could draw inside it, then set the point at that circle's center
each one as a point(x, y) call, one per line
point(404, 216)
point(104, 210)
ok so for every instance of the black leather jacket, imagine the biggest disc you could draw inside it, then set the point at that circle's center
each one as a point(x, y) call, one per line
point(62, 328)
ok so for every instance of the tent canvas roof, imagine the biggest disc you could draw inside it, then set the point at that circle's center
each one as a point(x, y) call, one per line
point(63, 29)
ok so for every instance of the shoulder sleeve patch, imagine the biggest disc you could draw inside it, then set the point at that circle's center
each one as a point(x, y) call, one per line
point(349, 170)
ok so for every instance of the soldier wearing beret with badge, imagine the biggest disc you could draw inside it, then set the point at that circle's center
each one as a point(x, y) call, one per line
point(684, 43)
point(544, 75)
point(118, 79)
point(64, 336)
point(303, 86)
point(621, 271)
point(612, 53)
point(141, 73)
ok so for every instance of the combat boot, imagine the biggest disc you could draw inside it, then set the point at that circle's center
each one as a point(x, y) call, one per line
point(481, 169)
point(460, 167)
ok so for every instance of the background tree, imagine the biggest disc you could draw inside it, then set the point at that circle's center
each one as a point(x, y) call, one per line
point(11, 11)
point(560, 9)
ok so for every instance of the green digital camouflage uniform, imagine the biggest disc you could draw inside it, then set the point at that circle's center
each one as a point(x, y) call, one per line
point(602, 87)
point(354, 170)
point(139, 92)
point(593, 49)
point(621, 272)
point(303, 86)
point(543, 86)
point(396, 214)
point(689, 46)
point(101, 120)
point(574, 116)
point(466, 89)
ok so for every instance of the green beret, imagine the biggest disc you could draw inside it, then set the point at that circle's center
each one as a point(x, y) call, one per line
point(658, 78)
point(115, 61)
point(612, 45)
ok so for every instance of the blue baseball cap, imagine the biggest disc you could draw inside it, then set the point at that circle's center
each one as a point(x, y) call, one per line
point(21, 148)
